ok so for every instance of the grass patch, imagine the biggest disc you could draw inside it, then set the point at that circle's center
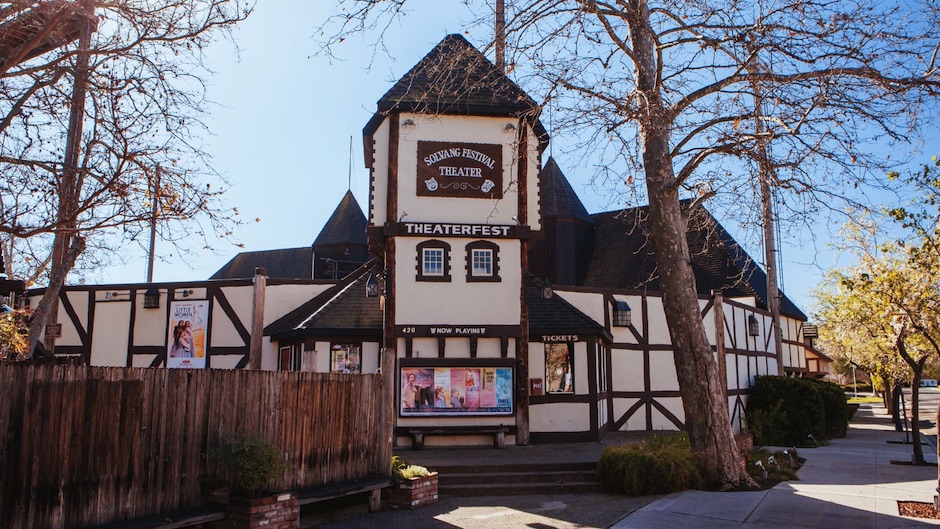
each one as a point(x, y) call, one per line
point(865, 399)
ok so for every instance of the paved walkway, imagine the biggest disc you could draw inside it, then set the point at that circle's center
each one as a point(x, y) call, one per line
point(850, 484)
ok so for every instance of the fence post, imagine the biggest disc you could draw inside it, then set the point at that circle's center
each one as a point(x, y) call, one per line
point(257, 318)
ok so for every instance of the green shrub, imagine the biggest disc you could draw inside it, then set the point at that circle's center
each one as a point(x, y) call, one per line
point(785, 411)
point(836, 408)
point(660, 465)
point(255, 461)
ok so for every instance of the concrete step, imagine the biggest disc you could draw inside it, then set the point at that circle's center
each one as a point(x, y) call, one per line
point(484, 468)
point(518, 489)
point(516, 479)
point(447, 479)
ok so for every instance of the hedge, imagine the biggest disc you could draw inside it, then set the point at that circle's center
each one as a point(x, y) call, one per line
point(656, 466)
point(783, 411)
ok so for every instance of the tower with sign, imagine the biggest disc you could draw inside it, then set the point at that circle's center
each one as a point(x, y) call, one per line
point(454, 155)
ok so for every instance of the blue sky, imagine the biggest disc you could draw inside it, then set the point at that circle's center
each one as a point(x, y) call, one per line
point(282, 124)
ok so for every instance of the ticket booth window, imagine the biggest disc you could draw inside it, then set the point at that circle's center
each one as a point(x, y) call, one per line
point(559, 368)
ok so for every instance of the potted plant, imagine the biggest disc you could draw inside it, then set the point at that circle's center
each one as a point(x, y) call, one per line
point(255, 463)
point(415, 486)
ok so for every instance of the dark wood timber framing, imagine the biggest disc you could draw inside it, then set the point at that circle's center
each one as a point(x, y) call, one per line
point(720, 341)
point(522, 344)
point(391, 215)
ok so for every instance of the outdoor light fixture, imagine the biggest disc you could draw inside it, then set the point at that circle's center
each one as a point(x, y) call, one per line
point(547, 291)
point(152, 298)
point(186, 293)
point(372, 286)
point(622, 317)
point(753, 328)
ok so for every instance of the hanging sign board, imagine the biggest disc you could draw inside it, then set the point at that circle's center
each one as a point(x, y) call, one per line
point(467, 170)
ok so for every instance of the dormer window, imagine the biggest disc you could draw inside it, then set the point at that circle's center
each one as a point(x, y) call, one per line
point(433, 261)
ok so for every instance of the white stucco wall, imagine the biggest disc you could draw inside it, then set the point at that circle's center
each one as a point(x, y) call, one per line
point(457, 301)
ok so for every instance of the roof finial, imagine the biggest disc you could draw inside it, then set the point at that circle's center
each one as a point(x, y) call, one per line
point(349, 180)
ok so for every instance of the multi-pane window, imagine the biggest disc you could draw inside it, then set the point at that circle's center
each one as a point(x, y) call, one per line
point(432, 261)
point(482, 262)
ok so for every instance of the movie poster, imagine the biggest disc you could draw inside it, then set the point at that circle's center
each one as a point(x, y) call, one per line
point(187, 334)
point(456, 391)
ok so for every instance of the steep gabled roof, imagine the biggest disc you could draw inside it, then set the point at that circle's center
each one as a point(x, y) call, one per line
point(286, 263)
point(341, 310)
point(454, 78)
point(558, 198)
point(557, 316)
point(347, 225)
point(624, 258)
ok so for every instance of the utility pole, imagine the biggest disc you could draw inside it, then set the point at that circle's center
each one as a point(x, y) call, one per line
point(765, 177)
point(499, 38)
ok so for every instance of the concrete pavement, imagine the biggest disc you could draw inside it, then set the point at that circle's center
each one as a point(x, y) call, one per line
point(850, 484)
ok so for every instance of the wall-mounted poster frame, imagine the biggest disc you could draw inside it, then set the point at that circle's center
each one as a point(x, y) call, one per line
point(187, 331)
point(460, 387)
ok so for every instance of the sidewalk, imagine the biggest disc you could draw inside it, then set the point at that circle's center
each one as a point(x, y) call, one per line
point(849, 484)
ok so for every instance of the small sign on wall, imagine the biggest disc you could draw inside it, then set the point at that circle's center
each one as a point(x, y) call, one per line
point(452, 169)
point(537, 386)
point(53, 330)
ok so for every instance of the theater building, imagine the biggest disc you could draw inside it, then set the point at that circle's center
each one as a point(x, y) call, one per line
point(515, 316)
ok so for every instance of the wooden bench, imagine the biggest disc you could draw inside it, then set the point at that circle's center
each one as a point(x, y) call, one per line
point(418, 433)
point(372, 484)
point(213, 513)
point(173, 520)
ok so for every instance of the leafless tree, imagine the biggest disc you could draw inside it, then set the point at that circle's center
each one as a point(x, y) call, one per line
point(678, 93)
point(100, 119)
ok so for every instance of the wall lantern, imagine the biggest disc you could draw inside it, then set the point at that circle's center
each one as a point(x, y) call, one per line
point(547, 291)
point(753, 328)
point(372, 286)
point(622, 317)
point(152, 299)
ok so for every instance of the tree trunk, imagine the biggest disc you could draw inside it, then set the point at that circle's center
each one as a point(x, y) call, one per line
point(915, 417)
point(50, 297)
point(917, 367)
point(706, 410)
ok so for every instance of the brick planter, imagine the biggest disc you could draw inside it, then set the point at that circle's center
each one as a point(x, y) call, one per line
point(413, 493)
point(278, 511)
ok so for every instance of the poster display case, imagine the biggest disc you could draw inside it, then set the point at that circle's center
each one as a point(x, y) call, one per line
point(456, 388)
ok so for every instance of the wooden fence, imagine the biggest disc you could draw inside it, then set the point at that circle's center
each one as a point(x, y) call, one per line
point(83, 446)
